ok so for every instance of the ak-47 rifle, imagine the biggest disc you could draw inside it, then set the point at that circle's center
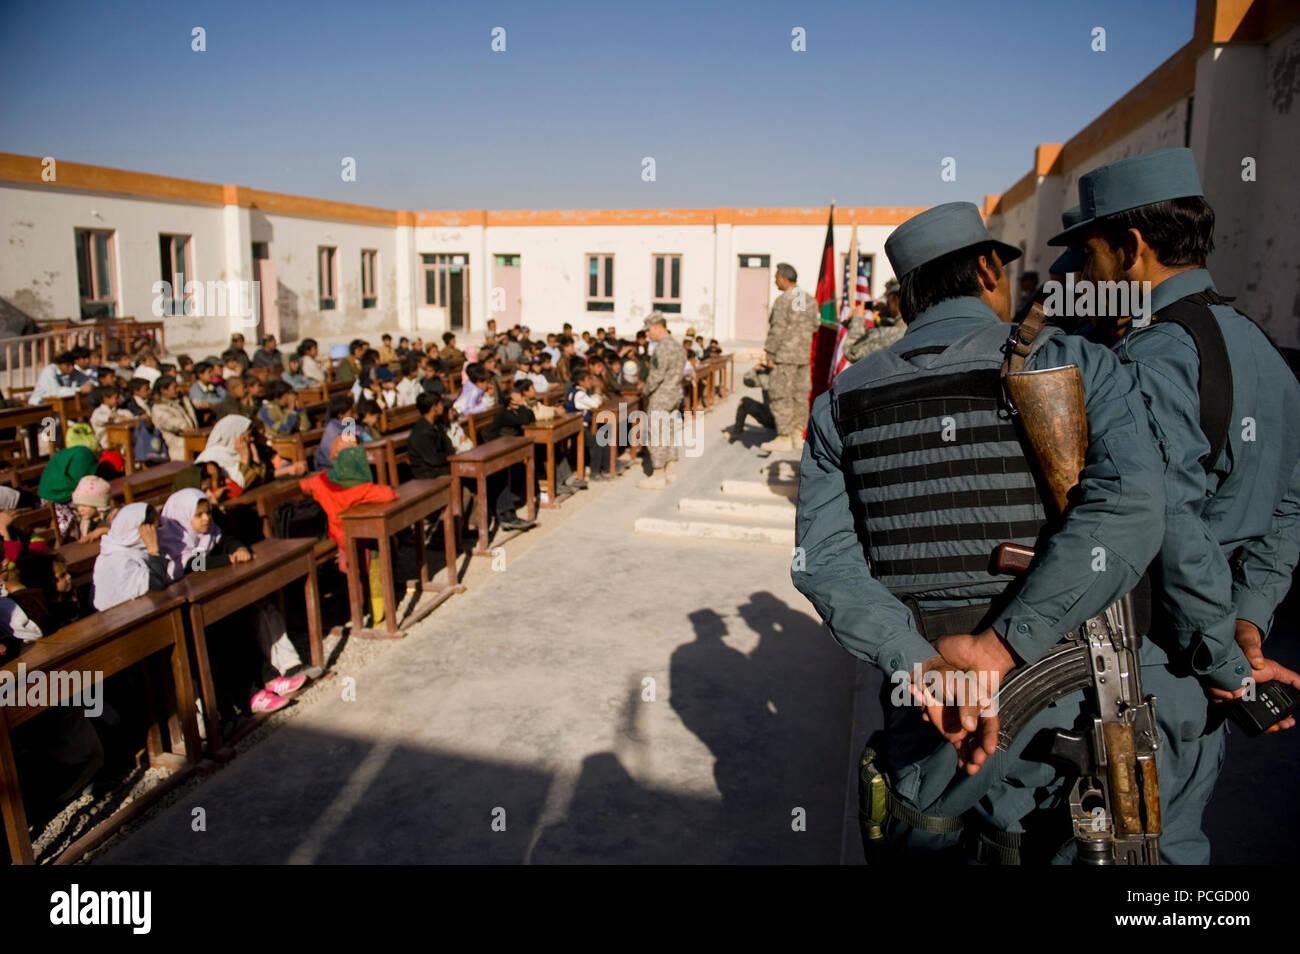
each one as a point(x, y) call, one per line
point(1115, 798)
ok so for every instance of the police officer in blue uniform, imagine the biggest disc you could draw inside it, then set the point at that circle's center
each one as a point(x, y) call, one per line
point(912, 474)
point(1226, 411)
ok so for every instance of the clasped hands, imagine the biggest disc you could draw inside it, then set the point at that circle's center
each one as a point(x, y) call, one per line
point(961, 707)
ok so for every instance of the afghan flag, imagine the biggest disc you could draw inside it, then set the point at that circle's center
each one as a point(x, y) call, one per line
point(823, 346)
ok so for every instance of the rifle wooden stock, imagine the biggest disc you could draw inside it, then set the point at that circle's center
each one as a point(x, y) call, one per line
point(1121, 763)
point(1055, 424)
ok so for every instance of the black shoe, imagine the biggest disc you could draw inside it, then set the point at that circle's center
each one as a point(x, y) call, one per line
point(577, 483)
point(515, 523)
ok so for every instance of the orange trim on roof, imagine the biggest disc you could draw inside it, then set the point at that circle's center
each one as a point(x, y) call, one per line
point(281, 204)
point(76, 175)
point(1046, 155)
point(863, 215)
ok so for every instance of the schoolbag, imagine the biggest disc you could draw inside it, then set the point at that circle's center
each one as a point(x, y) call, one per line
point(299, 518)
point(150, 448)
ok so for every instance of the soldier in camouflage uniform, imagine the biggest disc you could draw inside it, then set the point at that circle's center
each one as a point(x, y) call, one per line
point(788, 348)
point(889, 328)
point(663, 397)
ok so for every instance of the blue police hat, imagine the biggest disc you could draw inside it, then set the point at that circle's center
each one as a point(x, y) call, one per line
point(1071, 260)
point(936, 232)
point(1130, 184)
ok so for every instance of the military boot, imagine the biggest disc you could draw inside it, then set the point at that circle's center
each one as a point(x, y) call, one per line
point(670, 472)
point(781, 442)
point(656, 481)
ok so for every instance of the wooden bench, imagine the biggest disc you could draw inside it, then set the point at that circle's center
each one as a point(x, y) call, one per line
point(105, 644)
point(385, 454)
point(476, 424)
point(401, 418)
point(215, 594)
point(299, 445)
point(486, 459)
point(121, 434)
point(266, 374)
point(151, 485)
point(551, 432)
point(80, 558)
point(196, 439)
point(381, 521)
point(283, 491)
point(315, 411)
point(38, 520)
point(27, 421)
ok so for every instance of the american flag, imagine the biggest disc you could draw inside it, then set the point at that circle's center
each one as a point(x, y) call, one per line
point(861, 294)
point(862, 288)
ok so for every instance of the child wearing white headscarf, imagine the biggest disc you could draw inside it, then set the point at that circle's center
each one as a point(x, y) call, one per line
point(190, 541)
point(228, 448)
point(129, 563)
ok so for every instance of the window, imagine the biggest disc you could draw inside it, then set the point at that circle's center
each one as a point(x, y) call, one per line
point(506, 261)
point(174, 252)
point(667, 277)
point(96, 263)
point(328, 259)
point(368, 259)
point(446, 285)
point(755, 261)
point(600, 282)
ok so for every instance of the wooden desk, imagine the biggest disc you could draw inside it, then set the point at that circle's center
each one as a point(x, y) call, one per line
point(385, 454)
point(401, 418)
point(299, 445)
point(487, 459)
point(196, 438)
point(215, 594)
point(121, 434)
point(549, 433)
point(28, 418)
point(416, 499)
point(479, 422)
point(70, 408)
point(106, 643)
point(152, 484)
point(80, 558)
point(553, 396)
point(265, 498)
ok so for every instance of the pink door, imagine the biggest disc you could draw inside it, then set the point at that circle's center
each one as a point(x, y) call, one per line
point(264, 274)
point(507, 301)
point(752, 296)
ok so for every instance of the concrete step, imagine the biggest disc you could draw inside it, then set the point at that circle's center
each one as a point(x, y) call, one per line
point(782, 513)
point(742, 533)
point(760, 488)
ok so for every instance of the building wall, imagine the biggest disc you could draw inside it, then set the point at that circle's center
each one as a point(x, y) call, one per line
point(294, 243)
point(1231, 94)
point(38, 270)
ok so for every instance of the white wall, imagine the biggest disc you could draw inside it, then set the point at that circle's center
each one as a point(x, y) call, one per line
point(38, 270)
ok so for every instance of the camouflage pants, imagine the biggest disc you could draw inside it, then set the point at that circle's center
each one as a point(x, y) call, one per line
point(788, 395)
point(663, 430)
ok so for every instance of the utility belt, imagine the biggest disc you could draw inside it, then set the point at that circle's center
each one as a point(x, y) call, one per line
point(881, 811)
point(975, 617)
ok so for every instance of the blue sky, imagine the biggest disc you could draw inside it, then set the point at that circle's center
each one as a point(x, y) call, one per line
point(584, 91)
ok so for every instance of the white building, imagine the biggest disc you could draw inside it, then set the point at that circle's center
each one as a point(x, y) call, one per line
point(1231, 94)
point(85, 240)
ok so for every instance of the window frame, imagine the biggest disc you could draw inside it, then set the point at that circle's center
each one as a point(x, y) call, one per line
point(603, 299)
point(327, 261)
point(84, 244)
point(669, 303)
point(369, 264)
point(181, 303)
